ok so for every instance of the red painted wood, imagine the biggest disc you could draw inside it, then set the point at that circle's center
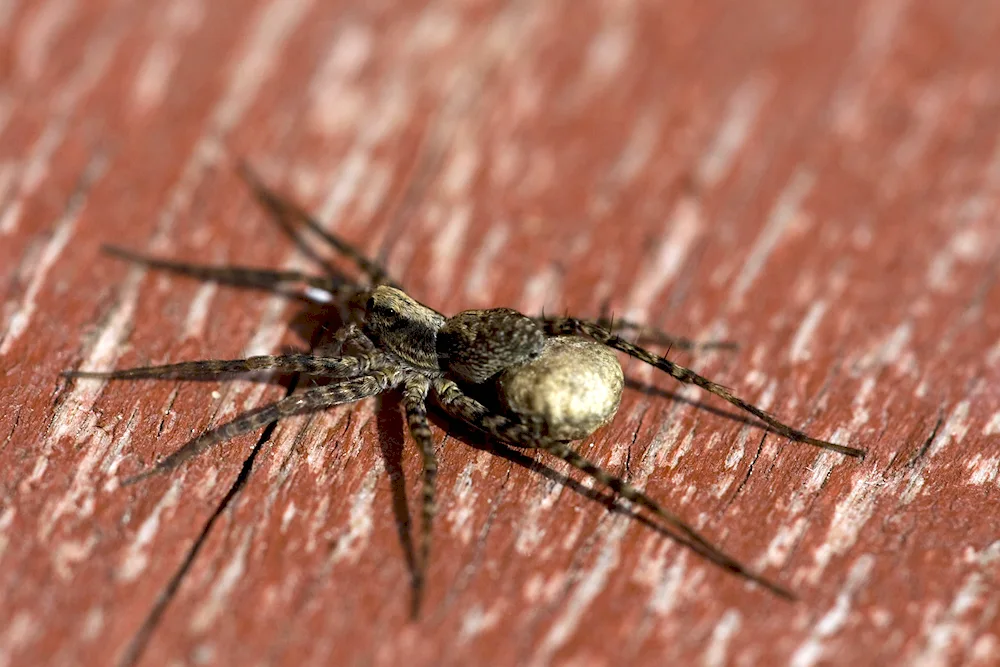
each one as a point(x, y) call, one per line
point(819, 181)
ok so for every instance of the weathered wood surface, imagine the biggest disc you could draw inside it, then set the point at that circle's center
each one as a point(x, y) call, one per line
point(819, 181)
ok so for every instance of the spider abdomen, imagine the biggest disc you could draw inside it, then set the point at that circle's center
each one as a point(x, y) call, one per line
point(572, 388)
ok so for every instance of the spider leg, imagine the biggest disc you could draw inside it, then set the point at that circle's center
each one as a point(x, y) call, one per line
point(312, 400)
point(655, 336)
point(242, 276)
point(342, 367)
point(463, 407)
point(415, 401)
point(290, 215)
point(571, 325)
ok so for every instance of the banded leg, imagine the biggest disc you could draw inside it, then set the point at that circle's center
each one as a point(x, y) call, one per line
point(333, 367)
point(571, 325)
point(415, 402)
point(240, 276)
point(463, 407)
point(290, 215)
point(654, 336)
point(312, 400)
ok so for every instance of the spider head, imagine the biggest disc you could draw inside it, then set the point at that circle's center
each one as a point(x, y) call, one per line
point(476, 345)
point(403, 327)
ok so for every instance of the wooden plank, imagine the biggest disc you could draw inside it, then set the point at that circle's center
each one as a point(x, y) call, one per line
point(818, 181)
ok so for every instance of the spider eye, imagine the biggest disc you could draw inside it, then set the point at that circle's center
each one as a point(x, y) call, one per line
point(370, 305)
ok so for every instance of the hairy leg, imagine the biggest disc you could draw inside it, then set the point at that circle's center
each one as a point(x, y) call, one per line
point(342, 367)
point(290, 216)
point(414, 400)
point(653, 336)
point(242, 276)
point(571, 325)
point(312, 400)
point(463, 407)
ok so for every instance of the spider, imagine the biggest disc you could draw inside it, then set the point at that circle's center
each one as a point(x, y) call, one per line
point(531, 382)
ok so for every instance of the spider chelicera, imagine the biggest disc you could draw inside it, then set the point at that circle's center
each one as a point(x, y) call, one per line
point(531, 382)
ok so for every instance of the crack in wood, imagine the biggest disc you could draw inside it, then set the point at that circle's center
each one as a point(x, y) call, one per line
point(137, 645)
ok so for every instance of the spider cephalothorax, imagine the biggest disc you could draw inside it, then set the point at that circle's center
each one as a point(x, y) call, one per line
point(533, 382)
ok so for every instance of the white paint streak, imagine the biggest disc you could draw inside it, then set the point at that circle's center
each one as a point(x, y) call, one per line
point(476, 621)
point(814, 648)
point(35, 169)
point(539, 289)
point(478, 279)
point(337, 105)
point(741, 115)
point(271, 329)
point(638, 151)
point(685, 225)
point(6, 521)
point(287, 516)
point(40, 32)
point(19, 631)
point(75, 409)
point(849, 516)
point(198, 310)
point(667, 594)
point(876, 25)
point(137, 556)
point(959, 622)
point(258, 59)
point(64, 228)
point(993, 425)
point(530, 533)
point(608, 52)
point(800, 348)
point(780, 546)
point(464, 495)
point(79, 499)
point(787, 210)
point(152, 81)
point(964, 246)
point(717, 652)
point(353, 542)
point(222, 587)
point(954, 429)
point(889, 351)
point(589, 586)
point(985, 469)
point(446, 248)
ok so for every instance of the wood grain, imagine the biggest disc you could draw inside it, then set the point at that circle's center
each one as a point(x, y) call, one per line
point(818, 181)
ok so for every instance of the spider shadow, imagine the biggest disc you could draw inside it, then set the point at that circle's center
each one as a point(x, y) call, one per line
point(479, 441)
point(391, 433)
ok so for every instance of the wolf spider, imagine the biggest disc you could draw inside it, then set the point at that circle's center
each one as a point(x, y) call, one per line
point(463, 361)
